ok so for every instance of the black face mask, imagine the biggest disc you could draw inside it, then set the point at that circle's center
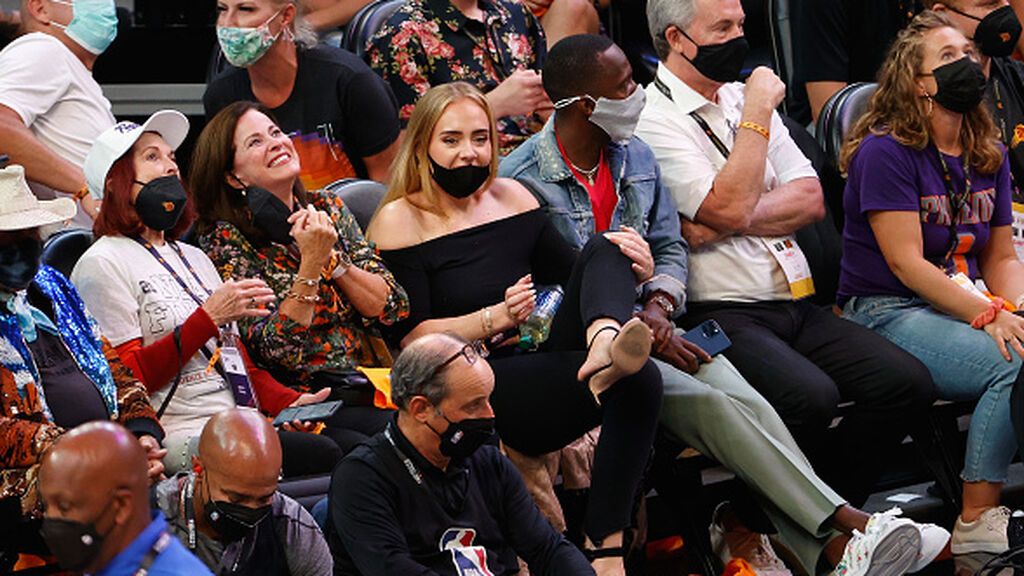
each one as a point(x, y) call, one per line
point(459, 182)
point(720, 62)
point(997, 33)
point(960, 85)
point(160, 202)
point(75, 544)
point(464, 437)
point(19, 263)
point(269, 214)
point(232, 521)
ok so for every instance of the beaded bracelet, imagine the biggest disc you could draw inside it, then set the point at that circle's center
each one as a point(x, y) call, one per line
point(304, 298)
point(311, 282)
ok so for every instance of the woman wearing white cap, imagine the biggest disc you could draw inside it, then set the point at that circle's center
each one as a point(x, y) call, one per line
point(162, 302)
point(56, 370)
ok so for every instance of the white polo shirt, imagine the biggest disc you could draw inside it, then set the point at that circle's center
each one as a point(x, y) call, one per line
point(737, 268)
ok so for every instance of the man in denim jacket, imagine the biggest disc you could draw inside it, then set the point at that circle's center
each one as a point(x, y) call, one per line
point(591, 175)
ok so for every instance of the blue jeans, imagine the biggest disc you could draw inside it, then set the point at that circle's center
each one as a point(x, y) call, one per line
point(965, 364)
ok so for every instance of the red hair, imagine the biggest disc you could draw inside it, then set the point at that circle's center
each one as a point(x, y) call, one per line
point(117, 214)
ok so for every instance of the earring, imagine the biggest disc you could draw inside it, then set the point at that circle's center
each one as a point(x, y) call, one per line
point(931, 106)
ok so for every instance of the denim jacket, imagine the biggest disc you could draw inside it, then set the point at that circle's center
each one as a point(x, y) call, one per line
point(643, 203)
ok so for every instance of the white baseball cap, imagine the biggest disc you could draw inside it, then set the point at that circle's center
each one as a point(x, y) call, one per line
point(20, 209)
point(115, 141)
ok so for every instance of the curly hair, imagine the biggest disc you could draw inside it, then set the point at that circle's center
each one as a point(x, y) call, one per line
point(896, 110)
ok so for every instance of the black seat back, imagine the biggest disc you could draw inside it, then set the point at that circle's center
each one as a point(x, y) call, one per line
point(63, 249)
point(367, 21)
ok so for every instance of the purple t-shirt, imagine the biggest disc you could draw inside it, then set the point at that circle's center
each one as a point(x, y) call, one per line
point(887, 175)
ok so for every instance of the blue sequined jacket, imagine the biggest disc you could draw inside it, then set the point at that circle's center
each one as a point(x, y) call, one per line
point(26, 428)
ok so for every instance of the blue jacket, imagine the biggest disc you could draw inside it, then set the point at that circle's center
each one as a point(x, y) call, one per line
point(174, 560)
point(643, 204)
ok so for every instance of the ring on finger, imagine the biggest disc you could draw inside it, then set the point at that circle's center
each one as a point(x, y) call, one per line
point(252, 302)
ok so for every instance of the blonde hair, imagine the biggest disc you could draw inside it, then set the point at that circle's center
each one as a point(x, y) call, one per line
point(411, 170)
point(896, 110)
point(303, 33)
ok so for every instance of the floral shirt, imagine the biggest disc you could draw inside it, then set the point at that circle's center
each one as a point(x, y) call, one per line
point(337, 337)
point(430, 42)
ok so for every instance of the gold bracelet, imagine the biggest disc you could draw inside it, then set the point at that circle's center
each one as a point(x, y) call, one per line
point(311, 282)
point(756, 128)
point(486, 321)
point(304, 298)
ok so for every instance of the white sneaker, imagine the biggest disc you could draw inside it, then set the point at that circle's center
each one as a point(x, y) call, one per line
point(933, 540)
point(889, 546)
point(751, 546)
point(986, 534)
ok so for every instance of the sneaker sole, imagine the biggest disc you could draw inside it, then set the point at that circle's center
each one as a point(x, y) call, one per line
point(971, 548)
point(896, 553)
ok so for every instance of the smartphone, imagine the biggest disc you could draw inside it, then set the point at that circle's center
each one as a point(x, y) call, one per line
point(308, 413)
point(709, 336)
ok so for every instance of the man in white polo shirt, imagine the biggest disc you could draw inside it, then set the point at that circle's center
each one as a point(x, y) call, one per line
point(743, 188)
point(51, 108)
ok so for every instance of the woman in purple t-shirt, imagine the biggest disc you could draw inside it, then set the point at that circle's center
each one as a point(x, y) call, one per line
point(926, 149)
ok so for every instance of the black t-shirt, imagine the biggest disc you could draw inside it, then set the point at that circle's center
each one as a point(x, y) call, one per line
point(71, 395)
point(338, 113)
point(843, 41)
point(1005, 96)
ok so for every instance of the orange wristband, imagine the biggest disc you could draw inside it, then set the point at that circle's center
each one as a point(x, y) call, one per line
point(756, 128)
point(989, 315)
point(81, 193)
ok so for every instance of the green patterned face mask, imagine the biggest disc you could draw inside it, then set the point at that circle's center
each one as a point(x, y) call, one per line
point(244, 46)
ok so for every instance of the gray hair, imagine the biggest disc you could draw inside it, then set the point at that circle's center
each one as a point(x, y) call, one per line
point(664, 13)
point(415, 370)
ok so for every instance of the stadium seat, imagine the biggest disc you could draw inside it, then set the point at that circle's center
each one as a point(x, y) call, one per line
point(839, 114)
point(361, 197)
point(307, 490)
point(63, 249)
point(365, 24)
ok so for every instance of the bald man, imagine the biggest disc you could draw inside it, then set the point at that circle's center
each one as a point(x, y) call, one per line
point(96, 490)
point(426, 496)
point(228, 510)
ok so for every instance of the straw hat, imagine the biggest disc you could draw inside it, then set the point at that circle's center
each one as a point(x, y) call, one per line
point(20, 209)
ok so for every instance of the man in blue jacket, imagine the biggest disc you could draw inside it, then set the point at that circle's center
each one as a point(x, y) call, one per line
point(98, 520)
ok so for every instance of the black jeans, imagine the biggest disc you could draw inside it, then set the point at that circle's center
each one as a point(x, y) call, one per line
point(540, 405)
point(805, 361)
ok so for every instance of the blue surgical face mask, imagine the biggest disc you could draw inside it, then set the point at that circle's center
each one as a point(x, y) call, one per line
point(94, 24)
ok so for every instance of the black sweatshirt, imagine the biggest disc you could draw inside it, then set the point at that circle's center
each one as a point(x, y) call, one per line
point(382, 522)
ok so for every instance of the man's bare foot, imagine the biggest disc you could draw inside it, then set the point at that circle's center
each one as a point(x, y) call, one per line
point(615, 354)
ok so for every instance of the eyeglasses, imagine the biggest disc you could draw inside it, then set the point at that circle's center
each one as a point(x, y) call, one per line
point(472, 351)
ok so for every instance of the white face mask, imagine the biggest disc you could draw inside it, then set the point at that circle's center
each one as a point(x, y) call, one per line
point(618, 118)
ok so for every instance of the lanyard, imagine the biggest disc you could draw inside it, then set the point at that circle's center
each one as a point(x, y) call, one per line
point(956, 203)
point(158, 547)
point(409, 466)
point(715, 140)
point(181, 255)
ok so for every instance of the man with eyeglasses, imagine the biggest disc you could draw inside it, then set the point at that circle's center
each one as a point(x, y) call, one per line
point(432, 492)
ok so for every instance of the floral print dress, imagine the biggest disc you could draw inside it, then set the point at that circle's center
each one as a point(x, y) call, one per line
point(337, 337)
point(430, 42)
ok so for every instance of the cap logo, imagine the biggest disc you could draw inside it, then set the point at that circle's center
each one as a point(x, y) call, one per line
point(125, 127)
point(168, 206)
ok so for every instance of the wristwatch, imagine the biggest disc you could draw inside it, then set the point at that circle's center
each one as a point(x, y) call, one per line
point(665, 303)
point(342, 266)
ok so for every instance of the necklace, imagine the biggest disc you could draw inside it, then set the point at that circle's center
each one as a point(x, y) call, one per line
point(588, 174)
